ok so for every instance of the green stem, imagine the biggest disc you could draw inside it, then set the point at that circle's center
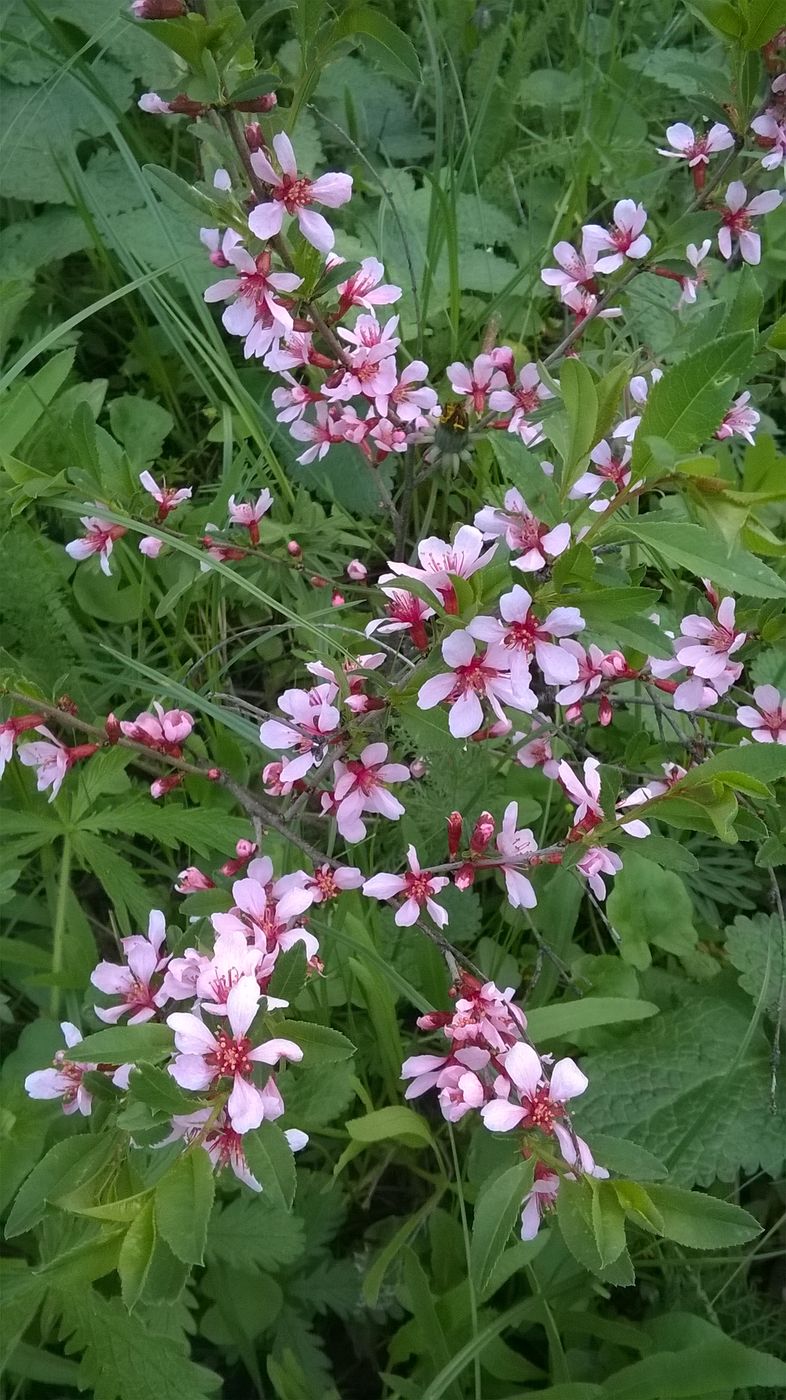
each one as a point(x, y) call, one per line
point(473, 1304)
point(58, 933)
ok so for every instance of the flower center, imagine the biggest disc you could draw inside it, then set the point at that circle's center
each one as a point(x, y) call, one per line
point(542, 1111)
point(523, 635)
point(419, 886)
point(326, 883)
point(294, 192)
point(475, 676)
point(230, 1056)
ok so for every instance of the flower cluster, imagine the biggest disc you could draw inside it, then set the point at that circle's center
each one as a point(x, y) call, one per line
point(491, 1068)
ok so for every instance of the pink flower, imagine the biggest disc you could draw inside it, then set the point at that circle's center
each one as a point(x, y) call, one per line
point(99, 538)
point(204, 1059)
point(151, 546)
point(470, 680)
point(590, 674)
point(706, 644)
point(768, 720)
point(293, 399)
point(541, 1100)
point(538, 1200)
point(438, 560)
point(516, 846)
point(167, 498)
point(389, 437)
point(252, 294)
point(329, 881)
point(419, 887)
point(405, 613)
point(625, 236)
point(134, 982)
point(52, 760)
point(292, 352)
point(771, 133)
point(357, 571)
point(153, 105)
point(736, 217)
point(584, 304)
point(612, 466)
point(371, 371)
point(363, 288)
point(316, 721)
point(484, 1016)
point(224, 1146)
point(696, 150)
point(249, 513)
point(639, 389)
point(64, 1079)
point(361, 785)
point(455, 1075)
point(368, 334)
point(232, 960)
point(321, 434)
point(410, 404)
point(10, 729)
point(523, 635)
point(537, 753)
point(264, 908)
point(596, 863)
point(295, 194)
point(576, 271)
point(740, 420)
point(522, 400)
point(523, 531)
point(477, 382)
point(690, 285)
point(192, 879)
point(164, 731)
point(586, 795)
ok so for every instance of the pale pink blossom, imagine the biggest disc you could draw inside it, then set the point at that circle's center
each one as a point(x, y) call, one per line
point(612, 466)
point(292, 399)
point(521, 400)
point(370, 334)
point(475, 382)
point(232, 959)
point(736, 216)
point(99, 538)
point(484, 1016)
point(522, 531)
point(584, 305)
point(293, 351)
point(323, 433)
point(537, 752)
point(516, 845)
point(541, 1100)
point(540, 1198)
point(639, 389)
point(51, 759)
point(357, 571)
point(153, 105)
point(204, 1059)
point(361, 785)
point(410, 403)
point(249, 513)
point(471, 679)
point(771, 132)
point(64, 1079)
point(10, 729)
point(255, 312)
point(767, 721)
point(690, 285)
point(315, 721)
point(180, 977)
point(164, 731)
point(625, 237)
point(371, 371)
point(707, 644)
point(192, 879)
point(329, 881)
point(456, 1075)
point(439, 559)
point(585, 795)
point(151, 546)
point(264, 910)
point(388, 437)
point(134, 983)
point(418, 887)
point(365, 288)
point(295, 195)
point(223, 1144)
point(524, 636)
point(696, 149)
point(740, 420)
point(590, 676)
point(596, 863)
point(167, 498)
point(405, 612)
point(576, 271)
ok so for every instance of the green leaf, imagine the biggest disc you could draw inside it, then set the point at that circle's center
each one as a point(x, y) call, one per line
point(705, 554)
point(141, 425)
point(496, 1212)
point(686, 406)
point(763, 19)
point(136, 1253)
point(701, 1222)
point(663, 851)
point(289, 974)
point(581, 405)
point(599, 606)
point(627, 1158)
point(574, 1216)
point(755, 947)
point(168, 183)
point(396, 1121)
point(270, 1160)
point(321, 1045)
point(183, 1202)
point(119, 1045)
point(765, 763)
point(157, 1089)
point(556, 1022)
point(66, 1166)
point(253, 1229)
point(608, 1222)
point(27, 403)
point(650, 905)
point(376, 26)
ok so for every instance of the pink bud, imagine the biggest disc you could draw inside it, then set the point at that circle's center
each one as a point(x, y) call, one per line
point(245, 849)
point(192, 879)
point(162, 786)
point(317, 581)
point(112, 728)
point(265, 103)
point(213, 774)
point(158, 9)
point(605, 713)
point(336, 599)
point(254, 138)
point(455, 830)
point(482, 834)
point(573, 713)
point(357, 571)
point(464, 876)
point(294, 549)
point(151, 546)
point(418, 768)
point(613, 665)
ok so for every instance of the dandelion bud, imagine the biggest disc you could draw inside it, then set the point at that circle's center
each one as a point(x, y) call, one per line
point(455, 829)
point(357, 571)
point(294, 550)
point(112, 728)
point(482, 834)
point(190, 880)
point(158, 9)
point(418, 768)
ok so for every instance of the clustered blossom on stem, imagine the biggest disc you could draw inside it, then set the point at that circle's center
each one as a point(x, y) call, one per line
point(491, 1068)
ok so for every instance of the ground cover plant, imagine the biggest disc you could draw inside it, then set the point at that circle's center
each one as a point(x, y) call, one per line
point(393, 700)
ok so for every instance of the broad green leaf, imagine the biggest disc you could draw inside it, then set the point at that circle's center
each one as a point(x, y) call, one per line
point(66, 1166)
point(581, 406)
point(763, 18)
point(627, 1158)
point(365, 20)
point(556, 1022)
point(118, 1045)
point(136, 1253)
point(289, 974)
point(599, 606)
point(699, 1221)
point(719, 1367)
point(183, 1202)
point(704, 554)
point(754, 946)
point(25, 405)
point(663, 851)
point(321, 1045)
point(764, 763)
point(574, 1215)
point(608, 1222)
point(686, 406)
point(396, 1121)
point(650, 905)
point(270, 1160)
point(496, 1212)
point(157, 1089)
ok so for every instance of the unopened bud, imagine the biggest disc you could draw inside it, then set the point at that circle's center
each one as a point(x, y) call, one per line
point(317, 581)
point(294, 549)
point(265, 103)
point(573, 714)
point(112, 728)
point(158, 9)
point(455, 830)
point(162, 786)
point(245, 849)
point(213, 774)
point(418, 768)
point(482, 834)
point(605, 712)
point(337, 599)
point(190, 880)
point(357, 571)
point(254, 138)
point(464, 876)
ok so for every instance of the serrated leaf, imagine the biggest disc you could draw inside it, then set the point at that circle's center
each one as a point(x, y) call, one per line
point(321, 1045)
point(119, 1045)
point(755, 946)
point(183, 1202)
point(650, 905)
point(701, 1222)
point(496, 1212)
point(395, 1121)
point(66, 1166)
point(270, 1160)
point(686, 406)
